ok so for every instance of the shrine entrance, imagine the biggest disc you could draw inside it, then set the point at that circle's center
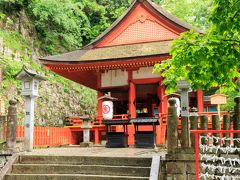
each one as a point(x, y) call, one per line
point(147, 100)
point(120, 105)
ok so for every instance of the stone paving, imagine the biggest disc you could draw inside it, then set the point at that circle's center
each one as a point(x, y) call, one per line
point(99, 151)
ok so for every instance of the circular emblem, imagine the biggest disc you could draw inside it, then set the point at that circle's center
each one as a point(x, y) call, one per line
point(106, 109)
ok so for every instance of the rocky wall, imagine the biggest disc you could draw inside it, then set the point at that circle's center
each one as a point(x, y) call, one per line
point(55, 101)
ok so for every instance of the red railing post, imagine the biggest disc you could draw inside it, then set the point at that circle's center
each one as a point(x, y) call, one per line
point(17, 132)
point(197, 154)
point(96, 135)
point(34, 136)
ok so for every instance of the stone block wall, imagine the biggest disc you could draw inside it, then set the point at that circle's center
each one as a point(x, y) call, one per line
point(178, 166)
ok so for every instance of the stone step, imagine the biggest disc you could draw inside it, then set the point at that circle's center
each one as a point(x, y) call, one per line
point(68, 177)
point(81, 169)
point(84, 160)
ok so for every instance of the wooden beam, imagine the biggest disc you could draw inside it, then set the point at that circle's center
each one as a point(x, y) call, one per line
point(146, 81)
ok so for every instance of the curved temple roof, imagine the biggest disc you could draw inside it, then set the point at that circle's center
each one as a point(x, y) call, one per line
point(90, 53)
point(140, 37)
point(111, 53)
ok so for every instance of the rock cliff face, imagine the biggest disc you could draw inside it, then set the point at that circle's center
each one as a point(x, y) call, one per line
point(58, 98)
point(55, 103)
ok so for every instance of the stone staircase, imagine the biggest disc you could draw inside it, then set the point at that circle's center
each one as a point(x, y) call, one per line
point(79, 167)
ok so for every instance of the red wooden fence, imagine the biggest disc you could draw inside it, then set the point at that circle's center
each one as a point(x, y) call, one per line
point(48, 136)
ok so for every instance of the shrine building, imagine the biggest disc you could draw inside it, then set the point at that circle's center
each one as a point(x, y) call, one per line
point(120, 63)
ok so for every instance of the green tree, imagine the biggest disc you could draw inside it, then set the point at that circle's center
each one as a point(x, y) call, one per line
point(210, 59)
point(10, 6)
point(58, 24)
point(114, 8)
point(97, 19)
point(68, 24)
point(194, 12)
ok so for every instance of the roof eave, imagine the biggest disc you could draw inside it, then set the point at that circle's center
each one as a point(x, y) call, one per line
point(49, 62)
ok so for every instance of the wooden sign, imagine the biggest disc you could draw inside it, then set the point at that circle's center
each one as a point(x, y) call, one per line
point(218, 99)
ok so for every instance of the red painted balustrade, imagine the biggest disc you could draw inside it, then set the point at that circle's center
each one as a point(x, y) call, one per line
point(49, 136)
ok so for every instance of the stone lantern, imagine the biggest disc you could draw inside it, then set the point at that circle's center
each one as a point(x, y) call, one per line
point(30, 82)
point(86, 126)
point(184, 87)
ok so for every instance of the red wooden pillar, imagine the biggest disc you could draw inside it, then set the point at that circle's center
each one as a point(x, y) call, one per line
point(131, 96)
point(160, 96)
point(200, 100)
point(165, 101)
point(162, 109)
point(99, 106)
point(163, 105)
point(99, 94)
point(131, 106)
point(132, 111)
point(96, 135)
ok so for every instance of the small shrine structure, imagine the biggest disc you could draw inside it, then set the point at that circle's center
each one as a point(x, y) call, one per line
point(120, 62)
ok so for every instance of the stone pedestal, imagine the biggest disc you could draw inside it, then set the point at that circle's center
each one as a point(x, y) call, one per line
point(29, 123)
point(86, 125)
point(203, 126)
point(11, 125)
point(193, 125)
point(215, 126)
point(180, 165)
point(172, 125)
point(184, 87)
point(226, 126)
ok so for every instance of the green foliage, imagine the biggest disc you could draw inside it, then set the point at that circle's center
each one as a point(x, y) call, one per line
point(10, 69)
point(210, 59)
point(231, 95)
point(194, 12)
point(14, 40)
point(2, 16)
point(97, 19)
point(114, 8)
point(10, 6)
point(57, 23)
point(67, 24)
